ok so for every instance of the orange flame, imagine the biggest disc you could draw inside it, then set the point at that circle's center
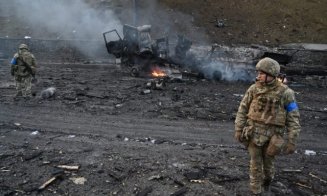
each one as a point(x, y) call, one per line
point(158, 73)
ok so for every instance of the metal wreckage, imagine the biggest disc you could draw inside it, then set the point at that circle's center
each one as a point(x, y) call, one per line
point(145, 56)
point(138, 51)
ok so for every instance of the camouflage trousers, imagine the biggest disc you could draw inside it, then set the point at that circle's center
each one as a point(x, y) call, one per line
point(24, 86)
point(261, 166)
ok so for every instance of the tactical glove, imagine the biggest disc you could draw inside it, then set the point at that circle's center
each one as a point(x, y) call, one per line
point(238, 135)
point(290, 148)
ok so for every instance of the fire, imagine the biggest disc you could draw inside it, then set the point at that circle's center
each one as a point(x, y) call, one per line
point(158, 73)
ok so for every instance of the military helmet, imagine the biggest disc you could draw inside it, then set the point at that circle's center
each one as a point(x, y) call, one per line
point(23, 46)
point(269, 66)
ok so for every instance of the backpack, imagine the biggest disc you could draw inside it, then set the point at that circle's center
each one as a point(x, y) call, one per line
point(27, 58)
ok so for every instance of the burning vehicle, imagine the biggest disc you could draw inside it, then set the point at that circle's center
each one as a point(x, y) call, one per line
point(144, 56)
point(138, 51)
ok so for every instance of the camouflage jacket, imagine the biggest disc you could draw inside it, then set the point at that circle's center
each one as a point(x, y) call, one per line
point(23, 64)
point(271, 104)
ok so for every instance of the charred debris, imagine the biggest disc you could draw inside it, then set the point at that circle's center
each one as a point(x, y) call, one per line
point(143, 55)
point(158, 58)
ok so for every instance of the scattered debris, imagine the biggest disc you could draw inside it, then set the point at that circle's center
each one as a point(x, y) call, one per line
point(48, 182)
point(224, 178)
point(220, 23)
point(179, 165)
point(47, 93)
point(238, 95)
point(35, 133)
point(5, 170)
point(78, 180)
point(198, 181)
point(17, 124)
point(180, 192)
point(147, 91)
point(156, 84)
point(32, 155)
point(119, 105)
point(292, 170)
point(310, 152)
point(303, 185)
point(68, 167)
point(314, 176)
point(156, 177)
point(157, 141)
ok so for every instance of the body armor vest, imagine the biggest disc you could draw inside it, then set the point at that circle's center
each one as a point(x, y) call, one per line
point(267, 106)
point(22, 59)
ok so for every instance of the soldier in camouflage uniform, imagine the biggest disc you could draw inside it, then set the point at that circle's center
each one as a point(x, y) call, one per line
point(23, 68)
point(268, 111)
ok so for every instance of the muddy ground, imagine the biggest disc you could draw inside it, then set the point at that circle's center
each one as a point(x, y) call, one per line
point(173, 141)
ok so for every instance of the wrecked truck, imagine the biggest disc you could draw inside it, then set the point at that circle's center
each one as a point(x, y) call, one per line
point(139, 52)
point(143, 55)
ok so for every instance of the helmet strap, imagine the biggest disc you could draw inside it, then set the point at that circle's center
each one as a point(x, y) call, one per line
point(266, 78)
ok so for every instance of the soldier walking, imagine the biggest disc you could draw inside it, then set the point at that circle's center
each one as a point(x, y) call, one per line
point(23, 68)
point(267, 111)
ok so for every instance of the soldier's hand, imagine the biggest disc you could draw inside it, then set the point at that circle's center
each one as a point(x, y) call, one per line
point(290, 148)
point(34, 80)
point(238, 135)
point(13, 69)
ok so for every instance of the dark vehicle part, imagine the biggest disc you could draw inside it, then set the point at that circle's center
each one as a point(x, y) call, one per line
point(113, 47)
point(282, 59)
point(136, 49)
point(139, 52)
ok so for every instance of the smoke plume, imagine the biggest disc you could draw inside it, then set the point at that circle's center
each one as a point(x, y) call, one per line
point(76, 19)
point(63, 19)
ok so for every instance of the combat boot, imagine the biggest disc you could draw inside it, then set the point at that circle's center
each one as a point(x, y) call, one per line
point(18, 96)
point(266, 187)
point(26, 98)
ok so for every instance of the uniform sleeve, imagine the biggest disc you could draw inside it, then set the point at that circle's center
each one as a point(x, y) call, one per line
point(33, 66)
point(14, 59)
point(292, 116)
point(241, 116)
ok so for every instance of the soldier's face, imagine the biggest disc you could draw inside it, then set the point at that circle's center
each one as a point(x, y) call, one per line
point(263, 77)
